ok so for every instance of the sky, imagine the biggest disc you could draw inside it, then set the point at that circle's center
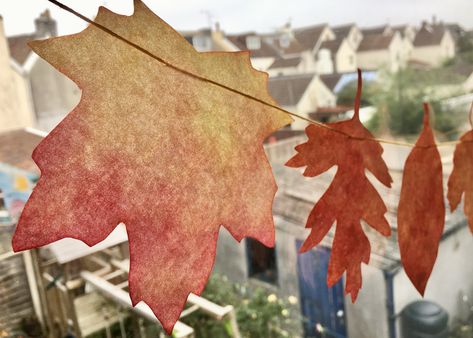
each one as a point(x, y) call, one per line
point(245, 15)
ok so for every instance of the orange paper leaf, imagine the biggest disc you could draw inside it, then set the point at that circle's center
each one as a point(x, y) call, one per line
point(421, 210)
point(350, 197)
point(461, 178)
point(171, 156)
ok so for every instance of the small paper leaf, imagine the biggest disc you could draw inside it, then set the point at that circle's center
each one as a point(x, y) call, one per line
point(461, 179)
point(171, 156)
point(350, 197)
point(421, 210)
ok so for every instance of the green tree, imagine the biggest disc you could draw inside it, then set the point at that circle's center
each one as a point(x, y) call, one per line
point(399, 101)
point(346, 96)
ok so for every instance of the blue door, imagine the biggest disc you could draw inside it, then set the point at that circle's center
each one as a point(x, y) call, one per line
point(323, 308)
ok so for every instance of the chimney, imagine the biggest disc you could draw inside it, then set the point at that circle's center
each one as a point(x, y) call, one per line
point(45, 25)
point(434, 20)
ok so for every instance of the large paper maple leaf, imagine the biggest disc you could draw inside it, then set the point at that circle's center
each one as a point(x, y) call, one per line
point(421, 210)
point(461, 179)
point(350, 197)
point(171, 156)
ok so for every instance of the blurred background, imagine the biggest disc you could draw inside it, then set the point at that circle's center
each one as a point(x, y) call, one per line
point(409, 51)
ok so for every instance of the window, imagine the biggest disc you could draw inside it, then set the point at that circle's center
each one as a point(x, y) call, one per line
point(351, 59)
point(202, 42)
point(285, 41)
point(261, 262)
point(253, 42)
point(4, 214)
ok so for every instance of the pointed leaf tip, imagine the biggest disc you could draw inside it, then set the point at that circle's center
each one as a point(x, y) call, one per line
point(359, 88)
point(426, 114)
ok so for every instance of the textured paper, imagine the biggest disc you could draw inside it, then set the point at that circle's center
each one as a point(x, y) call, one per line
point(171, 156)
point(350, 197)
point(461, 179)
point(421, 210)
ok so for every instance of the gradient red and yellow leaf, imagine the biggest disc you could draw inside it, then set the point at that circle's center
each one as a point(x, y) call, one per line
point(421, 210)
point(350, 197)
point(169, 155)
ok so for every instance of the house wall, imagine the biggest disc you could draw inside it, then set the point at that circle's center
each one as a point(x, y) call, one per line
point(54, 95)
point(345, 59)
point(324, 63)
point(391, 58)
point(397, 53)
point(316, 95)
point(262, 63)
point(15, 105)
point(368, 317)
point(435, 55)
point(369, 60)
point(450, 279)
point(231, 259)
point(354, 37)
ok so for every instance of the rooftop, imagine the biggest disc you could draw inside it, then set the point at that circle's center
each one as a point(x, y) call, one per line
point(288, 90)
point(265, 50)
point(16, 148)
point(286, 62)
point(429, 35)
point(372, 42)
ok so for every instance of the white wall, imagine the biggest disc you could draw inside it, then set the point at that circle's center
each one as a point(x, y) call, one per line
point(368, 316)
point(345, 59)
point(373, 59)
point(15, 104)
point(316, 95)
point(452, 274)
point(262, 63)
point(54, 95)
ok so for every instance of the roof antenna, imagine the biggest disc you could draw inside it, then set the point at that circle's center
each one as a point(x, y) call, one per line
point(209, 16)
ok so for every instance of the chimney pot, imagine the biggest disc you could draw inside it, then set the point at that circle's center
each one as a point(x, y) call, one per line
point(45, 25)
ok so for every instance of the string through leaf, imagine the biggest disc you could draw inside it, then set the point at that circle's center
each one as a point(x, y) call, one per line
point(251, 97)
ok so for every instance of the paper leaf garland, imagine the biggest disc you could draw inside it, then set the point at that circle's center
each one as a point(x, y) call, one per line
point(169, 155)
point(350, 197)
point(421, 210)
point(461, 178)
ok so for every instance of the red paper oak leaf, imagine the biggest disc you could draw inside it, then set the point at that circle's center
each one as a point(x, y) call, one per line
point(421, 210)
point(350, 197)
point(461, 178)
point(171, 156)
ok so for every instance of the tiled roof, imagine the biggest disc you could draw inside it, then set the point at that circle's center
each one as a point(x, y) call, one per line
point(293, 47)
point(375, 42)
point(429, 35)
point(16, 148)
point(331, 80)
point(309, 36)
point(288, 90)
point(342, 31)
point(286, 62)
point(332, 45)
point(19, 50)
point(266, 50)
point(375, 30)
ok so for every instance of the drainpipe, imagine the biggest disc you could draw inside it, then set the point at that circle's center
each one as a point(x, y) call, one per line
point(388, 278)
